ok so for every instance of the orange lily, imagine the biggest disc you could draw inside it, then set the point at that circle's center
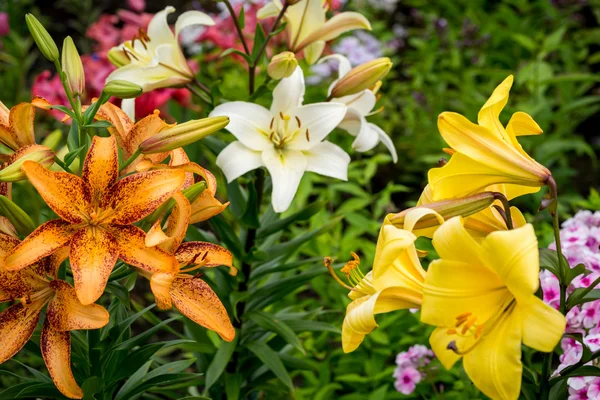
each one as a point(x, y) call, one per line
point(96, 215)
point(191, 295)
point(129, 136)
point(36, 286)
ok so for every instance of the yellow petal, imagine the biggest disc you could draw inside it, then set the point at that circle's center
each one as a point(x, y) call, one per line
point(101, 166)
point(17, 324)
point(179, 157)
point(490, 112)
point(6, 137)
point(42, 242)
point(177, 223)
point(21, 123)
point(453, 242)
point(543, 326)
point(212, 255)
point(136, 196)
point(93, 255)
point(197, 301)
point(56, 351)
point(494, 365)
point(160, 284)
point(66, 313)
point(205, 207)
point(63, 192)
point(339, 24)
point(521, 124)
point(142, 130)
point(439, 341)
point(303, 18)
point(133, 250)
point(514, 256)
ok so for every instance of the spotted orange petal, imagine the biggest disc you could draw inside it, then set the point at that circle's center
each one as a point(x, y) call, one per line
point(63, 192)
point(160, 284)
point(177, 225)
point(136, 196)
point(205, 207)
point(66, 313)
point(18, 284)
point(179, 157)
point(56, 351)
point(42, 242)
point(94, 252)
point(133, 250)
point(17, 324)
point(211, 254)
point(121, 123)
point(21, 122)
point(143, 129)
point(101, 166)
point(197, 301)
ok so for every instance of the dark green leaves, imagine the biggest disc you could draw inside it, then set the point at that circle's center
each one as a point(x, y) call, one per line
point(270, 323)
point(271, 359)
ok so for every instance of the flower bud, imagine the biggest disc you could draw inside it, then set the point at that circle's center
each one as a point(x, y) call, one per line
point(72, 67)
point(122, 89)
point(17, 217)
point(183, 134)
point(365, 76)
point(35, 152)
point(447, 209)
point(117, 57)
point(42, 38)
point(282, 65)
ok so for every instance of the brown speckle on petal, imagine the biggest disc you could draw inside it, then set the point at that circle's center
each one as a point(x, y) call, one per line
point(17, 324)
point(66, 313)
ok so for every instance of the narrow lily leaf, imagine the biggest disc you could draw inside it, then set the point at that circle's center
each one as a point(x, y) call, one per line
point(259, 40)
point(136, 340)
point(99, 124)
point(313, 326)
point(114, 372)
point(135, 379)
point(302, 215)
point(242, 18)
point(73, 136)
point(583, 295)
point(276, 265)
point(227, 235)
point(64, 109)
point(549, 261)
point(250, 217)
point(239, 53)
point(219, 362)
point(271, 359)
point(72, 155)
point(271, 323)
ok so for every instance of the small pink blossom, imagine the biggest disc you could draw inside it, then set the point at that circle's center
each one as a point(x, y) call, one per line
point(136, 5)
point(4, 25)
point(580, 394)
point(406, 379)
point(593, 390)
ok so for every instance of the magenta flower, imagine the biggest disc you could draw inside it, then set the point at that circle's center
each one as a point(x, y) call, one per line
point(406, 379)
point(4, 25)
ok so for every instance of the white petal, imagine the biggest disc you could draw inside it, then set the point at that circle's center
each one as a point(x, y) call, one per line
point(286, 168)
point(171, 55)
point(362, 102)
point(190, 18)
point(236, 159)
point(269, 10)
point(128, 106)
point(246, 122)
point(367, 138)
point(386, 140)
point(158, 28)
point(313, 51)
point(319, 119)
point(289, 93)
point(328, 159)
point(344, 65)
point(149, 78)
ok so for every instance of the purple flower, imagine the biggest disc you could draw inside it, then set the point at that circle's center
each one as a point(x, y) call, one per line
point(406, 379)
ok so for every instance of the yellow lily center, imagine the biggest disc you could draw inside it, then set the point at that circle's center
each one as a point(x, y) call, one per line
point(138, 54)
point(98, 217)
point(284, 128)
point(358, 281)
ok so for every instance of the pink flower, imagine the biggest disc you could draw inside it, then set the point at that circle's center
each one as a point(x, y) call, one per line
point(593, 391)
point(580, 394)
point(136, 5)
point(105, 33)
point(96, 70)
point(406, 379)
point(591, 314)
point(4, 25)
point(550, 288)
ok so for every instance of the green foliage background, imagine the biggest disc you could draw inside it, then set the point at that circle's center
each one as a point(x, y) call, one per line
point(294, 311)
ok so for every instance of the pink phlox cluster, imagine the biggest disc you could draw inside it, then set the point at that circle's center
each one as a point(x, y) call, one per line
point(411, 368)
point(580, 237)
point(4, 25)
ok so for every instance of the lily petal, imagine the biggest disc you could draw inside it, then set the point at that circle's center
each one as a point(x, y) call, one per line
point(490, 112)
point(190, 18)
point(17, 324)
point(121, 123)
point(211, 254)
point(313, 51)
point(159, 30)
point(177, 225)
point(66, 313)
point(439, 341)
point(21, 122)
point(319, 120)
point(288, 94)
point(286, 168)
point(42, 242)
point(543, 326)
point(337, 25)
point(197, 301)
point(136, 196)
point(160, 284)
point(149, 77)
point(248, 122)
point(357, 125)
point(271, 9)
point(236, 159)
point(101, 166)
point(133, 250)
point(386, 140)
point(328, 159)
point(205, 207)
point(56, 351)
point(63, 192)
point(94, 252)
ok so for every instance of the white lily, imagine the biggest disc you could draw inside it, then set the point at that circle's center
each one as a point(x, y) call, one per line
point(307, 28)
point(288, 139)
point(154, 59)
point(360, 106)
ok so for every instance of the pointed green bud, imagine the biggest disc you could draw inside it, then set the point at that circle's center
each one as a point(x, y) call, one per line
point(73, 67)
point(122, 89)
point(53, 139)
point(15, 214)
point(365, 76)
point(182, 134)
point(42, 38)
point(35, 152)
point(282, 65)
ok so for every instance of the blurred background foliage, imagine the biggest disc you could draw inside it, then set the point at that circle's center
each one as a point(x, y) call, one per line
point(448, 56)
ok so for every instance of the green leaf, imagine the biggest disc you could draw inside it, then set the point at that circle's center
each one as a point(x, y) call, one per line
point(114, 372)
point(136, 340)
point(559, 391)
point(585, 370)
point(270, 323)
point(99, 124)
point(64, 109)
point(219, 362)
point(120, 293)
point(233, 384)
point(91, 386)
point(227, 235)
point(276, 265)
point(231, 50)
point(135, 380)
point(313, 326)
point(279, 29)
point(250, 217)
point(303, 215)
point(72, 155)
point(583, 295)
point(242, 19)
point(271, 359)
point(73, 136)
point(259, 39)
point(90, 112)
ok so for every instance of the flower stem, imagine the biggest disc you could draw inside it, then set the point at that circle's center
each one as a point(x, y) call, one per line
point(130, 160)
point(238, 28)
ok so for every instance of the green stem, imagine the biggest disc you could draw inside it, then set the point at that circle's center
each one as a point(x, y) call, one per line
point(130, 159)
point(238, 28)
point(70, 96)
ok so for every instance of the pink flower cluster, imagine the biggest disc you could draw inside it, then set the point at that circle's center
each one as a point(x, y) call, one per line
point(109, 31)
point(580, 237)
point(411, 368)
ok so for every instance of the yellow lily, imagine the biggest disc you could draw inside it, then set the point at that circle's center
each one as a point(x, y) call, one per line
point(96, 215)
point(174, 286)
point(154, 59)
point(395, 282)
point(129, 136)
point(481, 297)
point(307, 28)
point(36, 286)
point(486, 154)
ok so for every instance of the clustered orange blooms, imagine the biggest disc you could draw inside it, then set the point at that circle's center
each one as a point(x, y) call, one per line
point(97, 211)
